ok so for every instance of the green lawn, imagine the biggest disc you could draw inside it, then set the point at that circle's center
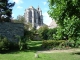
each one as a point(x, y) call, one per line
point(35, 45)
point(42, 56)
point(30, 54)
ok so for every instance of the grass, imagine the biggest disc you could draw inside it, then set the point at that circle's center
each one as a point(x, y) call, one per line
point(35, 45)
point(30, 54)
point(60, 56)
point(42, 56)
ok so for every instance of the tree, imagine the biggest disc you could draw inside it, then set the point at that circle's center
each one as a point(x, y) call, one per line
point(5, 10)
point(43, 32)
point(50, 33)
point(19, 19)
point(67, 15)
point(61, 9)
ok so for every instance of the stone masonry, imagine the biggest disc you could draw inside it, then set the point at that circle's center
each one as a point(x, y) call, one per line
point(11, 30)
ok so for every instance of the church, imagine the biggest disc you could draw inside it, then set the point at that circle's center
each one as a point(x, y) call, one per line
point(34, 16)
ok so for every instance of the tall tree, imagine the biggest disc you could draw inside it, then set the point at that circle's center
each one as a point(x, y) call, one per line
point(60, 9)
point(20, 19)
point(67, 15)
point(6, 10)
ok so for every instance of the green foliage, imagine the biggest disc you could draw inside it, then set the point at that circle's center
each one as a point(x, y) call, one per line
point(43, 32)
point(59, 35)
point(60, 44)
point(46, 33)
point(28, 35)
point(59, 9)
point(4, 43)
point(5, 10)
point(19, 19)
point(28, 30)
point(74, 43)
point(66, 14)
point(52, 43)
point(50, 33)
point(22, 44)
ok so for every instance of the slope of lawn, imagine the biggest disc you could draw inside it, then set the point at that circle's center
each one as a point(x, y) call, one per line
point(42, 56)
point(35, 45)
point(30, 54)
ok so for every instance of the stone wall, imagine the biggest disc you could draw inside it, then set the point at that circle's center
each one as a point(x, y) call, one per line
point(11, 30)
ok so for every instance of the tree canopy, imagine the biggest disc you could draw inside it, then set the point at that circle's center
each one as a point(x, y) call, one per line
point(60, 9)
point(19, 19)
point(67, 15)
point(6, 10)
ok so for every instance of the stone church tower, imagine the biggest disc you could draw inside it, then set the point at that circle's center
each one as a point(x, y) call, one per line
point(34, 16)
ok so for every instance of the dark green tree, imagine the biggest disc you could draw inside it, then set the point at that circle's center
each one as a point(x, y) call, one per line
point(5, 10)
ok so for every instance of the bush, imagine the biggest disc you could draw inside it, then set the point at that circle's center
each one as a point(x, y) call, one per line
point(4, 43)
point(52, 43)
point(65, 45)
point(74, 43)
point(60, 44)
point(22, 43)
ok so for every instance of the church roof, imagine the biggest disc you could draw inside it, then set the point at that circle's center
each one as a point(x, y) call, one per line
point(31, 7)
point(53, 24)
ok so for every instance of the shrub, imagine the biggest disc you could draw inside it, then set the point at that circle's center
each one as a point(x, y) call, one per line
point(4, 43)
point(22, 43)
point(78, 43)
point(60, 44)
point(74, 43)
point(51, 43)
point(43, 32)
point(65, 44)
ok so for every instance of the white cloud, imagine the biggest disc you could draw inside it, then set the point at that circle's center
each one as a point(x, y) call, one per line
point(44, 3)
point(19, 7)
point(18, 1)
point(12, 14)
point(47, 19)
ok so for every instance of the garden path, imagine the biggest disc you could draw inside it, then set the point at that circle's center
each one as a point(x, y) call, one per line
point(60, 51)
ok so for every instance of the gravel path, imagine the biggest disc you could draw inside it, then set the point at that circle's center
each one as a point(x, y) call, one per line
point(59, 51)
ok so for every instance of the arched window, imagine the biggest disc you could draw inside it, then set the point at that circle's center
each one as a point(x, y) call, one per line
point(30, 16)
point(30, 13)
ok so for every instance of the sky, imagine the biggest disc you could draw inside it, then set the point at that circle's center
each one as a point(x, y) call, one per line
point(21, 5)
